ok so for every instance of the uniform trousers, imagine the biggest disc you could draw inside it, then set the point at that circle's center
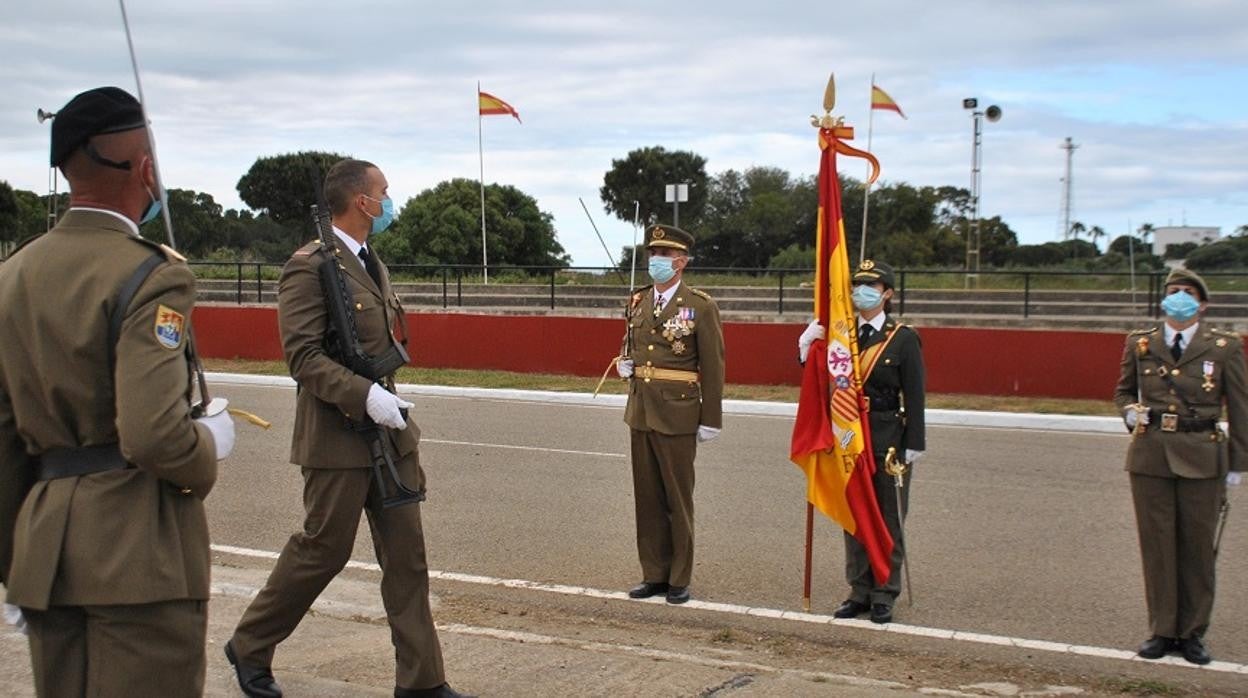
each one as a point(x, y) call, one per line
point(333, 500)
point(1177, 520)
point(154, 649)
point(863, 588)
point(663, 496)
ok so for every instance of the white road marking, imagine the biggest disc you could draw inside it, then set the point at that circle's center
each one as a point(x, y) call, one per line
point(798, 616)
point(524, 448)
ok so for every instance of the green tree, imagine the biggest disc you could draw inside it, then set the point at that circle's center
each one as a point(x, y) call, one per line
point(1231, 253)
point(1095, 233)
point(1146, 231)
point(280, 186)
point(442, 225)
point(10, 214)
point(641, 176)
point(1180, 250)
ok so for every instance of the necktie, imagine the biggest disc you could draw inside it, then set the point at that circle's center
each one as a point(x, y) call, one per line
point(658, 306)
point(864, 333)
point(370, 265)
point(1176, 349)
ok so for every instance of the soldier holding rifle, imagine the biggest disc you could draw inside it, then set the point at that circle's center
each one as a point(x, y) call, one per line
point(356, 445)
point(1175, 381)
point(103, 467)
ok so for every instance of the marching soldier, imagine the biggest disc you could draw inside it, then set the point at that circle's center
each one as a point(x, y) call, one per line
point(103, 471)
point(1175, 381)
point(891, 360)
point(335, 456)
point(675, 365)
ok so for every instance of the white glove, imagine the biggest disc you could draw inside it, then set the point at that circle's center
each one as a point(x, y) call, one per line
point(913, 456)
point(1233, 478)
point(624, 367)
point(706, 433)
point(1131, 415)
point(812, 332)
point(13, 616)
point(383, 406)
point(221, 425)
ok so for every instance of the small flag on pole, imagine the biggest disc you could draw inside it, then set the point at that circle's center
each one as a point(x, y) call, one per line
point(879, 100)
point(491, 105)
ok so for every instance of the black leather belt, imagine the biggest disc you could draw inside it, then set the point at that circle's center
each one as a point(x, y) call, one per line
point(73, 462)
point(1168, 421)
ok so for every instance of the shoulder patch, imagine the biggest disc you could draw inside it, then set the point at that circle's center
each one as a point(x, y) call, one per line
point(169, 328)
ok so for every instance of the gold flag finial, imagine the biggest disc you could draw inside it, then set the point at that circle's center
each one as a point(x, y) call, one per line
point(829, 94)
point(829, 101)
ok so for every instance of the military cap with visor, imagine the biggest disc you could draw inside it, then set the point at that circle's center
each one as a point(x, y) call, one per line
point(871, 271)
point(669, 236)
point(93, 113)
point(1190, 278)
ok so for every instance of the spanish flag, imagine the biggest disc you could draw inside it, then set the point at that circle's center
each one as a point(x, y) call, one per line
point(881, 100)
point(491, 105)
point(831, 442)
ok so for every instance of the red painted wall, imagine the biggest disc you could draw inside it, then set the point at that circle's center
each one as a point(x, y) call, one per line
point(975, 361)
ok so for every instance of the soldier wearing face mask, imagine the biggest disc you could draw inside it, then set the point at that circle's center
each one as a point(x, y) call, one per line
point(891, 361)
point(1177, 379)
point(675, 369)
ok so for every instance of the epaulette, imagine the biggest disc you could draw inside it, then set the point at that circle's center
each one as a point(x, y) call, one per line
point(701, 294)
point(1224, 333)
point(166, 251)
point(638, 294)
point(172, 253)
point(1144, 330)
point(307, 249)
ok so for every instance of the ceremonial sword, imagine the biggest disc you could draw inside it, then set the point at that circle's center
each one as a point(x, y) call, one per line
point(895, 467)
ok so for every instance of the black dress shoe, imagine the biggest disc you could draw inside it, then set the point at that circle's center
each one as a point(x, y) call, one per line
point(255, 681)
point(881, 613)
point(1156, 647)
point(443, 691)
point(851, 609)
point(677, 595)
point(647, 589)
point(1194, 651)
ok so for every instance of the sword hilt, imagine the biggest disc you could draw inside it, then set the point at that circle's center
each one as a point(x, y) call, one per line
point(894, 466)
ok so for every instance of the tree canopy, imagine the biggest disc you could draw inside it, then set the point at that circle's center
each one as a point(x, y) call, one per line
point(641, 176)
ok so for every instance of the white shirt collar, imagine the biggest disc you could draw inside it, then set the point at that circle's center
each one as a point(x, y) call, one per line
point(134, 228)
point(1187, 335)
point(876, 323)
point(666, 295)
point(349, 241)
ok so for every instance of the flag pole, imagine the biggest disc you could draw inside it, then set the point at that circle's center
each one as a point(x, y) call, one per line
point(866, 185)
point(485, 267)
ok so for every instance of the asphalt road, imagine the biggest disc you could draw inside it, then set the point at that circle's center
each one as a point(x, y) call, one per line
point(1012, 532)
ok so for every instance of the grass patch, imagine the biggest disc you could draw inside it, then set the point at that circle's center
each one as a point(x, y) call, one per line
point(724, 636)
point(466, 378)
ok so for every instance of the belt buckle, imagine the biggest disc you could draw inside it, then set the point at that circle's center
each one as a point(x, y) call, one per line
point(1169, 421)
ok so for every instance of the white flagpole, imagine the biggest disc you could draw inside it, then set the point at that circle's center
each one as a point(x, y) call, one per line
point(485, 268)
point(866, 181)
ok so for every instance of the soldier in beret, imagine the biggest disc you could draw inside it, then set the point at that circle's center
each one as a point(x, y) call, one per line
point(103, 471)
point(1176, 380)
point(675, 366)
point(891, 360)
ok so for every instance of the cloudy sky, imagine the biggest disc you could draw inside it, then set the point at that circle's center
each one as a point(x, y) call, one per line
point(1152, 91)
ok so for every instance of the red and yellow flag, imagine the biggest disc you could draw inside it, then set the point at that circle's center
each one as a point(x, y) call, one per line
point(831, 442)
point(490, 105)
point(881, 100)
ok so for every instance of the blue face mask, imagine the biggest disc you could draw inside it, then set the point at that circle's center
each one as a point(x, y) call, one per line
point(153, 209)
point(661, 269)
point(1180, 306)
point(867, 297)
point(385, 218)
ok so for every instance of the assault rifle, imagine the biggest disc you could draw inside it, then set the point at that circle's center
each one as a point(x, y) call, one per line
point(343, 345)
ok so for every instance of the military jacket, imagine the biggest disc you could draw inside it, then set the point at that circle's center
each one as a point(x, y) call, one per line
point(1208, 376)
point(122, 536)
point(685, 336)
point(330, 396)
point(897, 381)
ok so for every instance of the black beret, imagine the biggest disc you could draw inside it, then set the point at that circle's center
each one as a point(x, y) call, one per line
point(1191, 278)
point(871, 271)
point(102, 110)
point(669, 236)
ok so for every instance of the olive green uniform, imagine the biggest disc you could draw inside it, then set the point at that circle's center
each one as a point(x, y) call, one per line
point(1178, 477)
point(111, 568)
point(338, 480)
point(664, 414)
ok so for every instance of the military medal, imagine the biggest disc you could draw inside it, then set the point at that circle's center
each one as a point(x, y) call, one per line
point(1221, 342)
point(678, 347)
point(1141, 346)
point(1208, 371)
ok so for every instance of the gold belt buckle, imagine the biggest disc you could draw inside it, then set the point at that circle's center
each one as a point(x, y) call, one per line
point(1169, 421)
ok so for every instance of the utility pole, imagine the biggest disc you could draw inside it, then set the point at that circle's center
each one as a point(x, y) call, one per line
point(1070, 149)
point(992, 114)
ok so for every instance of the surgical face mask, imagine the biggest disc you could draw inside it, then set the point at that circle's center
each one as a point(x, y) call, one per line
point(661, 269)
point(1180, 306)
point(385, 218)
point(153, 209)
point(867, 297)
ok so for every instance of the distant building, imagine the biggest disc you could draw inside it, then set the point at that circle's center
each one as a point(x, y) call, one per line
point(1172, 235)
